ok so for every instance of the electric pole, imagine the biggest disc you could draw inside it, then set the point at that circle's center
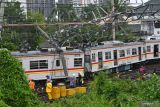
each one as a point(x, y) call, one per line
point(113, 23)
point(58, 49)
point(2, 4)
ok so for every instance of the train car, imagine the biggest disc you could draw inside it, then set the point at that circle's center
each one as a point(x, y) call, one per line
point(152, 49)
point(117, 56)
point(37, 64)
point(121, 56)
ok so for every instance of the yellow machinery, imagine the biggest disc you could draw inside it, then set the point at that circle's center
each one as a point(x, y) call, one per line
point(61, 91)
point(70, 92)
point(80, 90)
point(55, 93)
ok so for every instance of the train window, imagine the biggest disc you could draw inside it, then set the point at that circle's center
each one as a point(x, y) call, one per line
point(121, 53)
point(40, 64)
point(128, 51)
point(157, 24)
point(57, 63)
point(107, 55)
point(77, 62)
point(134, 51)
point(93, 57)
point(148, 48)
point(43, 64)
point(33, 64)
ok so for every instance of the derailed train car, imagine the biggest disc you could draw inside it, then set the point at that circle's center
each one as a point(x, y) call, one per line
point(116, 56)
point(121, 56)
point(37, 64)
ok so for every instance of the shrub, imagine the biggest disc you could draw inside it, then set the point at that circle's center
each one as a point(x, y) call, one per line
point(13, 82)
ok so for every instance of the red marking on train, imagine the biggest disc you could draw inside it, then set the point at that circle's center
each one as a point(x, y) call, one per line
point(94, 62)
point(53, 70)
point(128, 57)
point(108, 60)
point(118, 59)
point(149, 53)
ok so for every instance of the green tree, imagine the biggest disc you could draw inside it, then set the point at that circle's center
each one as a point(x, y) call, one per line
point(20, 38)
point(64, 13)
point(87, 14)
point(14, 84)
point(2, 103)
point(30, 36)
point(35, 18)
point(13, 13)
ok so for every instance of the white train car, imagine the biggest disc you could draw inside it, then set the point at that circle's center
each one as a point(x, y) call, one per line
point(37, 65)
point(114, 55)
point(117, 56)
point(123, 55)
point(152, 49)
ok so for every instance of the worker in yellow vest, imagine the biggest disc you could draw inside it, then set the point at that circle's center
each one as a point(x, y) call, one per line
point(49, 89)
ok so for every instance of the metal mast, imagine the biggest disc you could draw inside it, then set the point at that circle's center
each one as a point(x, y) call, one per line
point(113, 23)
point(58, 49)
point(2, 4)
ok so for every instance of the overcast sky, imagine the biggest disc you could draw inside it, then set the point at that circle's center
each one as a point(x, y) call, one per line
point(132, 1)
point(139, 1)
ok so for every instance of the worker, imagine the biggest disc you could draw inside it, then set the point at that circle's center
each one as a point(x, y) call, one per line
point(31, 84)
point(79, 79)
point(49, 89)
point(72, 80)
point(142, 70)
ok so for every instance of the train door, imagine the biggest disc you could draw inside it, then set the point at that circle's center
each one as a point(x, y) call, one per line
point(115, 57)
point(100, 60)
point(87, 63)
point(156, 50)
point(140, 53)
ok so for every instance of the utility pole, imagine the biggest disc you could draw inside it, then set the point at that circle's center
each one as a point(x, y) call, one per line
point(113, 23)
point(2, 4)
point(58, 49)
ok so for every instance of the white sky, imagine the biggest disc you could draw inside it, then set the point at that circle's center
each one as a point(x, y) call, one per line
point(139, 1)
point(132, 1)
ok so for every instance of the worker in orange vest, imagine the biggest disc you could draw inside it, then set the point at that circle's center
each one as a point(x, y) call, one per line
point(49, 89)
point(31, 84)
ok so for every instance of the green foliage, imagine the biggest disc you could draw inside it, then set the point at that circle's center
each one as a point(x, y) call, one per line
point(66, 13)
point(19, 38)
point(13, 13)
point(2, 103)
point(35, 17)
point(14, 84)
point(113, 92)
point(150, 89)
point(124, 33)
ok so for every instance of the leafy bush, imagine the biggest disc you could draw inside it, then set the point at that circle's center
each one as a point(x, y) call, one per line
point(13, 82)
point(149, 90)
point(2, 103)
point(110, 92)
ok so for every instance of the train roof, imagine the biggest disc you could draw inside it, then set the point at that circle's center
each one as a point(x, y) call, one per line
point(116, 44)
point(152, 41)
point(49, 53)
